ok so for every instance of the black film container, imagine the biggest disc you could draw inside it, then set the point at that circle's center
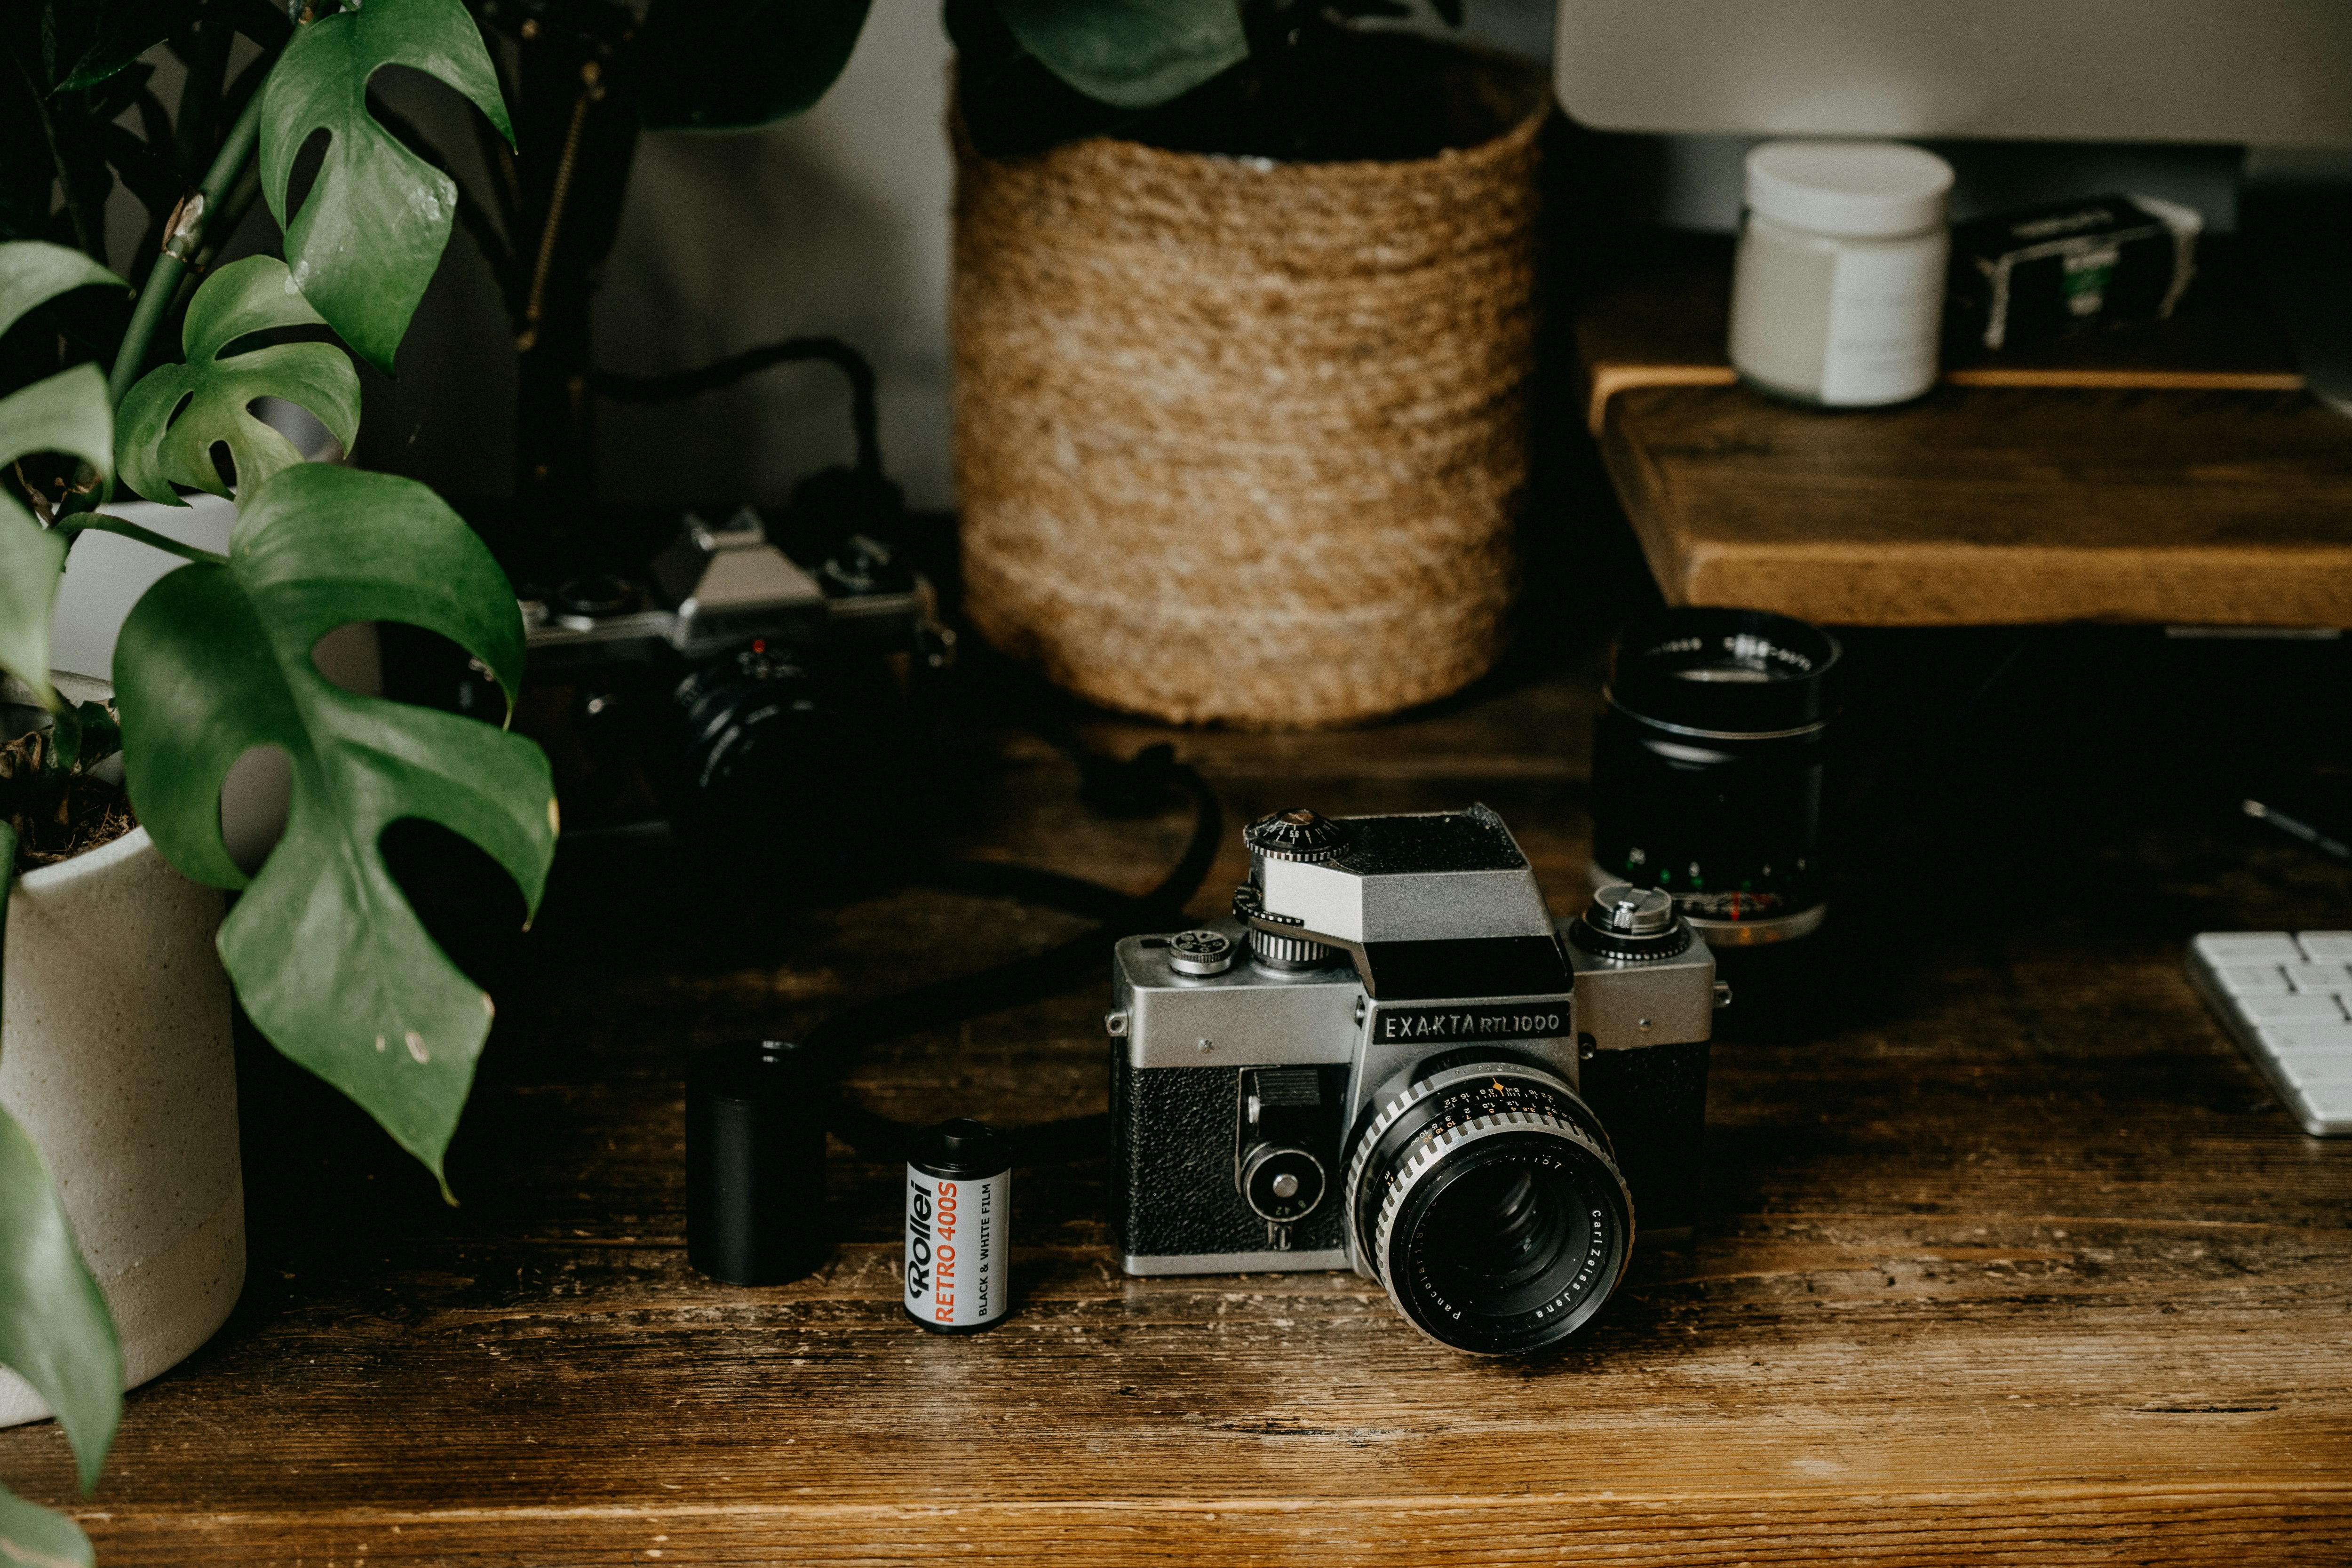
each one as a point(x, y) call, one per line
point(959, 1229)
point(1707, 769)
point(755, 1164)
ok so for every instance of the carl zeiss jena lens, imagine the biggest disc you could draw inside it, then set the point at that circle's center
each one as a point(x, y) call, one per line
point(1707, 770)
point(1484, 1197)
point(1500, 1228)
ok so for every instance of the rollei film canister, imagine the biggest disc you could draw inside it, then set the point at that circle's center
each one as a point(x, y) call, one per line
point(959, 1229)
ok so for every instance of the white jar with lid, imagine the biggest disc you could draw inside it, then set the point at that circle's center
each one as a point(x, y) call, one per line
point(1838, 296)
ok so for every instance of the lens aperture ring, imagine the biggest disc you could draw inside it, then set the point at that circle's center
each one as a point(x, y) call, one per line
point(1421, 1088)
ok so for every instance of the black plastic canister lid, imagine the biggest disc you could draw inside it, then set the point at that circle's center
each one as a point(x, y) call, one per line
point(750, 1072)
point(962, 1148)
point(1724, 672)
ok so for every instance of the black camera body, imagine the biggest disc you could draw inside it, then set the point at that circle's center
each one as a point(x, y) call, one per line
point(1390, 1059)
point(739, 688)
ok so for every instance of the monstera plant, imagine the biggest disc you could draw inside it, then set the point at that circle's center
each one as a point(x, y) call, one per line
point(1255, 78)
point(326, 955)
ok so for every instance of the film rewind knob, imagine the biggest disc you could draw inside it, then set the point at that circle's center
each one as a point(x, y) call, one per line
point(1298, 835)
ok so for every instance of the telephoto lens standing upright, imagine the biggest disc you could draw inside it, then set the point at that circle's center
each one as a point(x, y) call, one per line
point(1707, 772)
point(1707, 768)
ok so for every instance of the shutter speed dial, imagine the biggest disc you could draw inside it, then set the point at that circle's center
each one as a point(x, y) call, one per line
point(1297, 833)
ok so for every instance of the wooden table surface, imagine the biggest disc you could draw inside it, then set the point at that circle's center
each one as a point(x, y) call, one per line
point(2012, 1260)
point(2174, 481)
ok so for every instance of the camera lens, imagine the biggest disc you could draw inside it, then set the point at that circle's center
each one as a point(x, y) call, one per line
point(1484, 1197)
point(1707, 769)
point(769, 754)
point(753, 724)
point(1498, 1229)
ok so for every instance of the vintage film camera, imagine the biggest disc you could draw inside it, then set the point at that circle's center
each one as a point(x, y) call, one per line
point(1390, 1060)
point(747, 691)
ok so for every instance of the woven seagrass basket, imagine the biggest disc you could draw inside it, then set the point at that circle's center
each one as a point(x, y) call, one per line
point(1244, 441)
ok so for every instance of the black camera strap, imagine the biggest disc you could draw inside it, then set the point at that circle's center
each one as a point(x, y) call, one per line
point(1123, 786)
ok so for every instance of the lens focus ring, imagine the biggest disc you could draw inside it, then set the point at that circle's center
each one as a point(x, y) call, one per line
point(1485, 1199)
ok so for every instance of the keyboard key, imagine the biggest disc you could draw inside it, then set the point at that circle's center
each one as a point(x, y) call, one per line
point(2303, 1071)
point(2220, 947)
point(2287, 1001)
point(2300, 1006)
point(2326, 946)
point(2309, 1039)
point(2327, 1110)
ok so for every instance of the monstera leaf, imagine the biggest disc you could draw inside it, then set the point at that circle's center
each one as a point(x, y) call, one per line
point(1130, 53)
point(66, 413)
point(174, 416)
point(371, 230)
point(328, 957)
point(707, 66)
point(39, 1539)
point(55, 1331)
point(111, 33)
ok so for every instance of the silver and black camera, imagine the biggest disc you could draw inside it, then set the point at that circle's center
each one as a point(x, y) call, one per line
point(1389, 1060)
point(718, 588)
point(737, 687)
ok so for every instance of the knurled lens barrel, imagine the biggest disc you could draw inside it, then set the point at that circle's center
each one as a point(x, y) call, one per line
point(1708, 765)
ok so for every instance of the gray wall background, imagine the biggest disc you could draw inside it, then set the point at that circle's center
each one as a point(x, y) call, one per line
point(833, 223)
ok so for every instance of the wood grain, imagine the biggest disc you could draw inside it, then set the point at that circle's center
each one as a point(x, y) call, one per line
point(2167, 473)
point(1990, 506)
point(2024, 1267)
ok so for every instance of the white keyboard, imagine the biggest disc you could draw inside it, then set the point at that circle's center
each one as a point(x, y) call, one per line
point(2287, 999)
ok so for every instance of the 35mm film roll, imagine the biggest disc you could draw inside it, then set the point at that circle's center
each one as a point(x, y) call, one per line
point(959, 1229)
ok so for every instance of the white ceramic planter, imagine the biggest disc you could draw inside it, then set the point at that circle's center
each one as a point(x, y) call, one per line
point(105, 577)
point(115, 1058)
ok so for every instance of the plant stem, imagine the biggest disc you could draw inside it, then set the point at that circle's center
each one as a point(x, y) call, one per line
point(74, 210)
point(221, 226)
point(99, 522)
point(164, 278)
